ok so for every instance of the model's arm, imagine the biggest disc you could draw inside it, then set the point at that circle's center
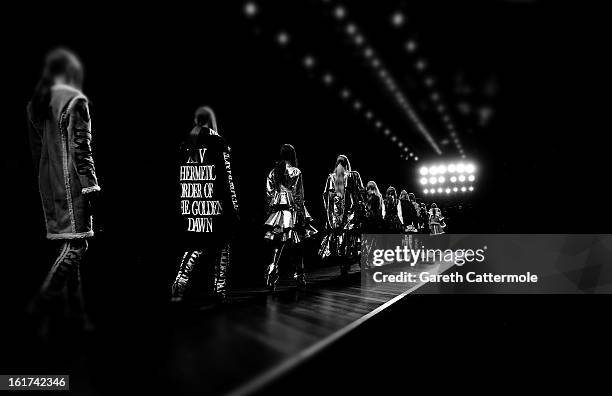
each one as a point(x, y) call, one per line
point(229, 181)
point(80, 125)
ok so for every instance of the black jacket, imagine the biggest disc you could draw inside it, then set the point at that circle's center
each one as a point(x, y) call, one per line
point(207, 201)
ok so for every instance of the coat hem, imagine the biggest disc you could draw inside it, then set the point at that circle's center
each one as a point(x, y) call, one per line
point(88, 190)
point(70, 235)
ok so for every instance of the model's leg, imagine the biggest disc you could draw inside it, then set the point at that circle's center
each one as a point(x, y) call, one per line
point(221, 266)
point(272, 270)
point(300, 275)
point(75, 289)
point(51, 301)
point(188, 263)
point(54, 286)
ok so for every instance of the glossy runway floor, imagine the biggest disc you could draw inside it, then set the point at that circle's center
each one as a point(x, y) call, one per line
point(240, 348)
point(258, 336)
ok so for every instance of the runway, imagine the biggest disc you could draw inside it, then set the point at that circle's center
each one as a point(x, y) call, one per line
point(258, 336)
point(240, 348)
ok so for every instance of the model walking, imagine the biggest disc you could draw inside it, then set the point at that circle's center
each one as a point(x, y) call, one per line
point(288, 220)
point(344, 208)
point(208, 207)
point(60, 138)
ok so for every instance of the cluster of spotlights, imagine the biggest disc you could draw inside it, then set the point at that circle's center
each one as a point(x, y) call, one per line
point(458, 168)
point(448, 190)
point(421, 65)
point(383, 75)
point(448, 178)
point(310, 63)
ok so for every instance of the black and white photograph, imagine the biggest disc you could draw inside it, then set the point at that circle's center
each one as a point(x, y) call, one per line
point(323, 197)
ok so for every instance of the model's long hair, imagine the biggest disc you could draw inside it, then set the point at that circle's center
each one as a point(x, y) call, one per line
point(343, 161)
point(287, 156)
point(391, 197)
point(59, 62)
point(204, 117)
point(373, 186)
point(433, 210)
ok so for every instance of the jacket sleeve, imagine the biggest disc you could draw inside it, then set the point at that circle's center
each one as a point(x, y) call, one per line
point(229, 181)
point(299, 195)
point(80, 126)
point(356, 192)
point(359, 182)
point(326, 198)
point(400, 213)
point(269, 191)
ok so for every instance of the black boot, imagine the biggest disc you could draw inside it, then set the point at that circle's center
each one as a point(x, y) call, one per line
point(219, 277)
point(272, 270)
point(300, 276)
point(189, 261)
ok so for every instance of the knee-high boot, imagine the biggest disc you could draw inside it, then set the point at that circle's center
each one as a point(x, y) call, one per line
point(220, 273)
point(300, 275)
point(272, 270)
point(188, 263)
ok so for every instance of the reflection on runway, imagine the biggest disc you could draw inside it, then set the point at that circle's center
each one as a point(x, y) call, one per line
point(258, 336)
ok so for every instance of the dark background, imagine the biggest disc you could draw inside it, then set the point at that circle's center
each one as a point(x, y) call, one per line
point(542, 159)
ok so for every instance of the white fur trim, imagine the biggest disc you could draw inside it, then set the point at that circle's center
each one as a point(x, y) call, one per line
point(70, 235)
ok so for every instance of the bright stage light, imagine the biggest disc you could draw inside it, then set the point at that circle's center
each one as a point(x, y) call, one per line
point(309, 62)
point(328, 79)
point(282, 38)
point(426, 191)
point(250, 9)
point(397, 19)
point(411, 46)
point(447, 177)
point(339, 12)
